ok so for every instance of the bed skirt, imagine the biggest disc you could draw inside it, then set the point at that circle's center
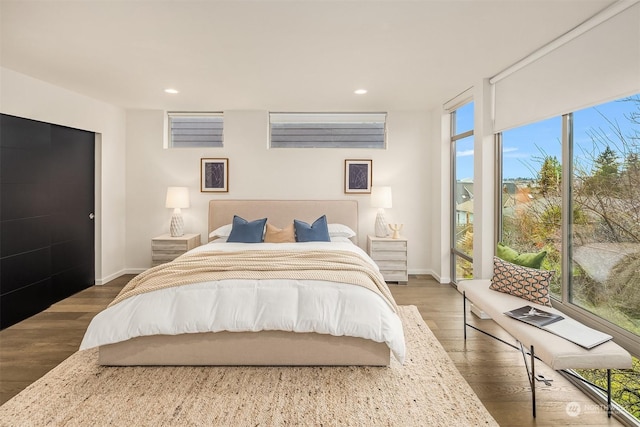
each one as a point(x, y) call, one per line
point(267, 348)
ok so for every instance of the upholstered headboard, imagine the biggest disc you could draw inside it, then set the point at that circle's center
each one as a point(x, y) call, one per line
point(281, 213)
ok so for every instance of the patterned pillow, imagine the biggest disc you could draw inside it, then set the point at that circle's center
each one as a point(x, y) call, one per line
point(528, 283)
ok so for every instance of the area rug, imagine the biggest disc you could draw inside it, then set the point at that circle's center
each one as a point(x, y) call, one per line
point(427, 391)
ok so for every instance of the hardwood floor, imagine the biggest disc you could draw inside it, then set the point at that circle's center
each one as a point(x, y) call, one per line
point(496, 372)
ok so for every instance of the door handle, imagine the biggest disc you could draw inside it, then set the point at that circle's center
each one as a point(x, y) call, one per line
point(92, 216)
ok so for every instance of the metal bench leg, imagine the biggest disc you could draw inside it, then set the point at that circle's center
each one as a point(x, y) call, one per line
point(533, 382)
point(531, 374)
point(609, 393)
point(464, 313)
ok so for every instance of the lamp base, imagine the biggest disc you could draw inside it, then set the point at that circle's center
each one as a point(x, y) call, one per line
point(381, 224)
point(177, 225)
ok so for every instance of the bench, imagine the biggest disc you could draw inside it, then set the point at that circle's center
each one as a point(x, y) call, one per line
point(558, 353)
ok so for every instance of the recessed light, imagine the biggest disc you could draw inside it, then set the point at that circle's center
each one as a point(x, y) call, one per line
point(172, 91)
point(360, 91)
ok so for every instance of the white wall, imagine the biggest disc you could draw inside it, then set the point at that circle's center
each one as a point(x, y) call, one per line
point(484, 186)
point(133, 171)
point(261, 173)
point(439, 177)
point(24, 96)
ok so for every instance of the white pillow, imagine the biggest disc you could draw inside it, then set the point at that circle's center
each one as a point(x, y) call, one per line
point(340, 239)
point(340, 230)
point(223, 231)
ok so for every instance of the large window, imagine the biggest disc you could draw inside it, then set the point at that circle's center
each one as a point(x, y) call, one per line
point(327, 130)
point(530, 192)
point(595, 248)
point(462, 184)
point(605, 227)
point(605, 234)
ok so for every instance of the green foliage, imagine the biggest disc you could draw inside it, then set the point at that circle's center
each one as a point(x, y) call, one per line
point(604, 177)
point(579, 217)
point(622, 286)
point(606, 164)
point(632, 162)
point(549, 177)
point(585, 291)
point(625, 385)
point(550, 220)
point(464, 242)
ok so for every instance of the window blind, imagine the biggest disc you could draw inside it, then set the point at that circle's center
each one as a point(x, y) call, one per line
point(327, 130)
point(187, 130)
point(596, 66)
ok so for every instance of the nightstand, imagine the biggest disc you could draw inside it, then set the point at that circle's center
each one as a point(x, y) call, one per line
point(166, 248)
point(391, 257)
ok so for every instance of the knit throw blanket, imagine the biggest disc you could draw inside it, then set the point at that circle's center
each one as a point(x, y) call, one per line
point(334, 266)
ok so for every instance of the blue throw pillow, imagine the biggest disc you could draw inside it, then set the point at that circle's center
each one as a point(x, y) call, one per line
point(243, 231)
point(316, 232)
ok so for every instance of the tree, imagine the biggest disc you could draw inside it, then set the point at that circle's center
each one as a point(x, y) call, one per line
point(549, 177)
point(604, 175)
point(607, 164)
point(632, 162)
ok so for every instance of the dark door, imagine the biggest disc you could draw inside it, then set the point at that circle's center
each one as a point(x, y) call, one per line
point(46, 199)
point(25, 237)
point(72, 211)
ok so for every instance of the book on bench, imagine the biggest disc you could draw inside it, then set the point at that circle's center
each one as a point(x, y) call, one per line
point(566, 328)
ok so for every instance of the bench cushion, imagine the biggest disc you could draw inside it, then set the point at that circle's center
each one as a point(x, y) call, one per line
point(553, 350)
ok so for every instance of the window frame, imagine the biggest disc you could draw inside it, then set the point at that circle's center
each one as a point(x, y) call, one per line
point(624, 338)
point(318, 132)
point(454, 251)
point(216, 142)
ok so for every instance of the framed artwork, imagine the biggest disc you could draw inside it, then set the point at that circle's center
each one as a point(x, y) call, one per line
point(214, 175)
point(358, 175)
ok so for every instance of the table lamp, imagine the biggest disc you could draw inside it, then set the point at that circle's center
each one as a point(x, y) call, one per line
point(381, 199)
point(177, 198)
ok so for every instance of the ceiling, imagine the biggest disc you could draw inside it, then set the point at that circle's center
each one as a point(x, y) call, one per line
point(305, 55)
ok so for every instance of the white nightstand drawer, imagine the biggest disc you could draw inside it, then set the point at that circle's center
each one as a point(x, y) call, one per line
point(391, 257)
point(388, 255)
point(164, 245)
point(400, 264)
point(389, 245)
point(165, 256)
point(166, 248)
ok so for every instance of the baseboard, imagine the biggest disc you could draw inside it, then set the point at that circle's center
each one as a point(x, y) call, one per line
point(114, 276)
point(428, 272)
point(416, 271)
point(109, 278)
point(135, 270)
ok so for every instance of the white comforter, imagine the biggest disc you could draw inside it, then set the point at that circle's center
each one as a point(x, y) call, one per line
point(254, 305)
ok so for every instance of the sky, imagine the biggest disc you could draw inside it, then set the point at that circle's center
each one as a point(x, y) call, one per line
point(523, 145)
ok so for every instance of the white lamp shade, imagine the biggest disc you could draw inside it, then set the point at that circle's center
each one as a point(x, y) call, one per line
point(177, 197)
point(381, 197)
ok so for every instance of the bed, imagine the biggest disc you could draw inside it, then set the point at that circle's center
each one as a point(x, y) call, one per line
point(352, 326)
